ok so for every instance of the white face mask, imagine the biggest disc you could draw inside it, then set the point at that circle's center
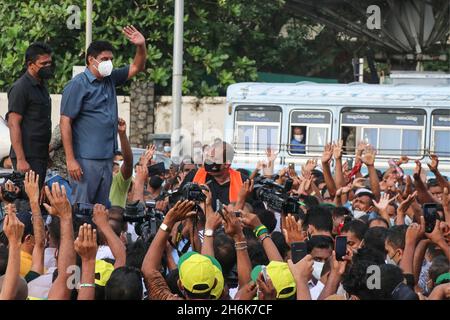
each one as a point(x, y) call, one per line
point(389, 260)
point(317, 269)
point(167, 149)
point(197, 150)
point(298, 137)
point(358, 213)
point(105, 68)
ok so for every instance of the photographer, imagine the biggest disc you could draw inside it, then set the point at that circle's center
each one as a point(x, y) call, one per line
point(223, 181)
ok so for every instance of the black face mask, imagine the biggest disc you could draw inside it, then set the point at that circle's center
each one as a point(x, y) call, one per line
point(46, 72)
point(156, 182)
point(212, 167)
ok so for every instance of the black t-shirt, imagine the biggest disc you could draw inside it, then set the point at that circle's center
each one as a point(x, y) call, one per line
point(218, 191)
point(31, 100)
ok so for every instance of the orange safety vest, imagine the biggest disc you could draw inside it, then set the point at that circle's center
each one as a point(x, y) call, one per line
point(235, 182)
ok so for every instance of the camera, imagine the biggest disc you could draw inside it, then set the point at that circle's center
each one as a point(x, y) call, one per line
point(276, 196)
point(18, 179)
point(145, 216)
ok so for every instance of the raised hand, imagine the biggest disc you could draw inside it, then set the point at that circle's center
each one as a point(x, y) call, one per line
point(337, 149)
point(246, 190)
point(32, 186)
point(368, 157)
point(247, 292)
point(310, 165)
point(436, 236)
point(384, 202)
point(148, 155)
point(303, 269)
point(415, 232)
point(266, 289)
point(232, 223)
point(292, 230)
point(134, 35)
point(60, 205)
point(417, 169)
point(12, 227)
point(405, 204)
point(100, 216)
point(434, 163)
point(86, 243)
point(359, 183)
point(327, 153)
point(179, 212)
point(250, 220)
point(141, 173)
point(271, 155)
point(122, 126)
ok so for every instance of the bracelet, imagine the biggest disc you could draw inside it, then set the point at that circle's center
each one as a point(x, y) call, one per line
point(87, 285)
point(264, 236)
point(241, 248)
point(258, 228)
point(242, 242)
point(261, 232)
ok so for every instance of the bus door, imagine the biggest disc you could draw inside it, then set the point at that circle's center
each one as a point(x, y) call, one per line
point(440, 133)
point(256, 128)
point(309, 131)
point(393, 132)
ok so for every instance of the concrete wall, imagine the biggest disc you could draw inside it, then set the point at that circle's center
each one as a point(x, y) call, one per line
point(123, 104)
point(202, 119)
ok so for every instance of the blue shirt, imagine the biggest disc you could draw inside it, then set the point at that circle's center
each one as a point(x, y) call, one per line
point(92, 106)
point(297, 147)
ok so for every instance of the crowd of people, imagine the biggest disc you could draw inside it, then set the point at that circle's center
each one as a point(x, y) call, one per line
point(104, 228)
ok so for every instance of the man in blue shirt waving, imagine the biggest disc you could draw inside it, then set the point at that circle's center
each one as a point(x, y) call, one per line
point(89, 119)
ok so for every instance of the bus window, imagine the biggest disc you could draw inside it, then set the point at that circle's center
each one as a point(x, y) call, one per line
point(440, 133)
point(348, 137)
point(391, 131)
point(257, 128)
point(309, 131)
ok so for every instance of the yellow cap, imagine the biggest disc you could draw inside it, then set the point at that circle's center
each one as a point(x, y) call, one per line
point(103, 272)
point(197, 272)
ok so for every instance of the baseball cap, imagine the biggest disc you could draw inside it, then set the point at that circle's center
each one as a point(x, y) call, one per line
point(281, 277)
point(103, 272)
point(218, 288)
point(364, 192)
point(197, 272)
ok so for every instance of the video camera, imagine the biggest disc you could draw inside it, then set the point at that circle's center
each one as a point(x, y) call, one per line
point(18, 179)
point(145, 216)
point(190, 191)
point(276, 195)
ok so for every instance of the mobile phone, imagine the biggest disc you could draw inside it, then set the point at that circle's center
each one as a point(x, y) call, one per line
point(264, 272)
point(219, 208)
point(340, 247)
point(430, 215)
point(350, 163)
point(292, 165)
point(298, 251)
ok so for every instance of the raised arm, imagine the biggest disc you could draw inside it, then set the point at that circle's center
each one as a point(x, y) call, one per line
point(328, 177)
point(434, 169)
point(127, 166)
point(302, 272)
point(179, 212)
point(139, 183)
point(32, 190)
point(138, 40)
point(251, 220)
point(86, 247)
point(413, 234)
point(338, 170)
point(60, 207)
point(233, 229)
point(100, 218)
point(423, 195)
point(213, 222)
point(13, 230)
point(368, 159)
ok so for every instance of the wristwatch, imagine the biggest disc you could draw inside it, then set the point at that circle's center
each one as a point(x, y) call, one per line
point(164, 227)
point(209, 232)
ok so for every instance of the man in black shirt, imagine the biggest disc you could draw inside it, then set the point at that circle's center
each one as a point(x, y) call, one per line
point(224, 182)
point(29, 113)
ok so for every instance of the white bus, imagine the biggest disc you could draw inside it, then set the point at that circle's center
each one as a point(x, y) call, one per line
point(398, 120)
